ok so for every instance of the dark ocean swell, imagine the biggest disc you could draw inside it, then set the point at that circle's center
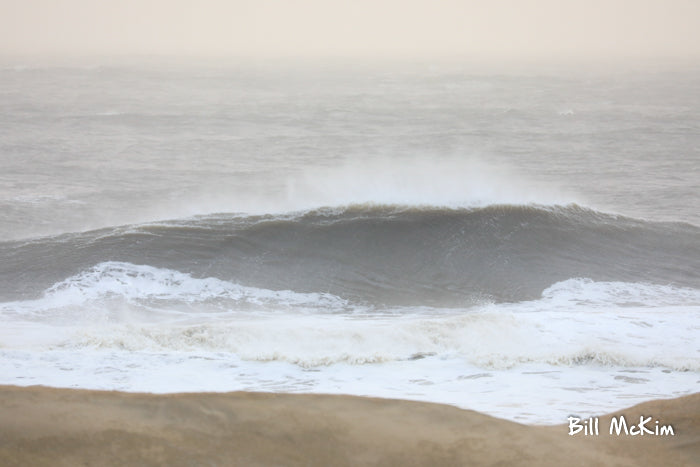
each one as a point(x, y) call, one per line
point(388, 255)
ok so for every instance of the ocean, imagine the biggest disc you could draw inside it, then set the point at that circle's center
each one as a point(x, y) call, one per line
point(524, 242)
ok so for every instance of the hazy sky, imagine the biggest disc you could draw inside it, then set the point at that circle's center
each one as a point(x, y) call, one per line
point(483, 28)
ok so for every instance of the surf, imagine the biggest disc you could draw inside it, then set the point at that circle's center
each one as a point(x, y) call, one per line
point(380, 254)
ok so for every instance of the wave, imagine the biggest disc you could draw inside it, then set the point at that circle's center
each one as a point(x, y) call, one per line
point(571, 324)
point(489, 341)
point(378, 254)
point(154, 289)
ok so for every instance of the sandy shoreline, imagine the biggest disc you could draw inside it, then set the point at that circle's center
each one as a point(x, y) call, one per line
point(46, 426)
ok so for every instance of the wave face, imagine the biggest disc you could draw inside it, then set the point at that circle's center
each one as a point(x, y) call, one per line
point(378, 254)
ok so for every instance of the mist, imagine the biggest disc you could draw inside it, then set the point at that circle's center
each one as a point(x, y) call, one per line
point(500, 29)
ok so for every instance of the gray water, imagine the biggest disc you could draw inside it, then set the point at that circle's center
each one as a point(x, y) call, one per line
point(89, 147)
point(517, 242)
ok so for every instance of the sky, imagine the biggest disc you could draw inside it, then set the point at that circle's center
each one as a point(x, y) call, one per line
point(334, 28)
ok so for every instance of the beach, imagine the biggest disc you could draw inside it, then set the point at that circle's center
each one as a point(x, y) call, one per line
point(46, 426)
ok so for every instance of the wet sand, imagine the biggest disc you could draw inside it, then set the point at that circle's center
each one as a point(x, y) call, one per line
point(47, 426)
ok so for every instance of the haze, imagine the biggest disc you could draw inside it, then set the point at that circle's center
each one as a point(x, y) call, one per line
point(310, 28)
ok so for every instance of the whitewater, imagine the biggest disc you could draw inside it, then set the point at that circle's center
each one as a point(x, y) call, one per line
point(526, 245)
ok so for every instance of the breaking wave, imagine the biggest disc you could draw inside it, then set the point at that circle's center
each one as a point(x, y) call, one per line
point(167, 311)
point(371, 254)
